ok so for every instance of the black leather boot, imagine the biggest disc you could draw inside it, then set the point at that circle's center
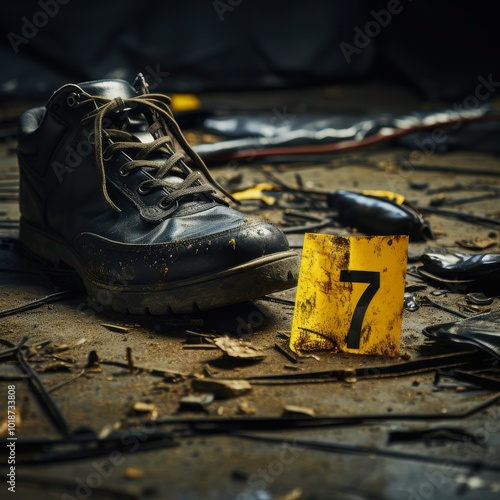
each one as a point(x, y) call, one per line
point(105, 190)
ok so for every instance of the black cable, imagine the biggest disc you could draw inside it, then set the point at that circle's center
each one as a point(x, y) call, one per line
point(38, 387)
point(49, 299)
point(369, 451)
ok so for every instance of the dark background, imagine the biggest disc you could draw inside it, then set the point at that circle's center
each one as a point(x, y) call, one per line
point(438, 48)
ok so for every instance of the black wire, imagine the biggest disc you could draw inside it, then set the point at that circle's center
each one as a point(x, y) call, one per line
point(38, 387)
point(369, 451)
point(476, 219)
point(34, 304)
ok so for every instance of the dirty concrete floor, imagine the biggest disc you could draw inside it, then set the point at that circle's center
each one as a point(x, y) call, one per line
point(238, 465)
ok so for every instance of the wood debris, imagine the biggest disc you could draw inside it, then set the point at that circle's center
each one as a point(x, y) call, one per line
point(238, 349)
point(56, 366)
point(246, 408)
point(196, 402)
point(221, 389)
point(115, 328)
point(477, 243)
point(298, 410)
point(149, 408)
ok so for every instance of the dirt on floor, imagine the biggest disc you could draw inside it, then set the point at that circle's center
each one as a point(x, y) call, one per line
point(124, 418)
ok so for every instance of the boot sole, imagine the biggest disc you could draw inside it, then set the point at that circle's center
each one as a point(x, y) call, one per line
point(256, 278)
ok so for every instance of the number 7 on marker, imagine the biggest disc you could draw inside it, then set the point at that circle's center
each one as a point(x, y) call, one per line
point(373, 280)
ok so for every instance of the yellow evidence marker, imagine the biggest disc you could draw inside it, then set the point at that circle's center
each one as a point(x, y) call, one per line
point(350, 294)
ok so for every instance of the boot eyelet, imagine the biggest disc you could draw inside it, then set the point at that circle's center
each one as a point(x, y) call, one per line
point(141, 190)
point(106, 158)
point(163, 204)
point(72, 100)
point(123, 172)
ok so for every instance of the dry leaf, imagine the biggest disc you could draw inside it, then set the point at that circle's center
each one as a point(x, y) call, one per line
point(238, 349)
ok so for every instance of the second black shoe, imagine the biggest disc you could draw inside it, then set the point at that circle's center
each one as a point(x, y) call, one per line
point(105, 190)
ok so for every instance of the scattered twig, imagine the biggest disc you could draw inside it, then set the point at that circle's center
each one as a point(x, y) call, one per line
point(130, 360)
point(64, 382)
point(115, 328)
point(285, 353)
point(200, 346)
point(278, 300)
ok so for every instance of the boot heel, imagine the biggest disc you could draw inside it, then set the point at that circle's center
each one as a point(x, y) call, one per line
point(39, 244)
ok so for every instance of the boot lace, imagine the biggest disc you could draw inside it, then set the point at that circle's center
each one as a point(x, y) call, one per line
point(164, 129)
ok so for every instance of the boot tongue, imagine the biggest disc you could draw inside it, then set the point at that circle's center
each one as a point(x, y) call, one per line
point(109, 89)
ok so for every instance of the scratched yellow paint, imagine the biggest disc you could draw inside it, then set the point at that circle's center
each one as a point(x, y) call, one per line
point(257, 193)
point(398, 198)
point(339, 277)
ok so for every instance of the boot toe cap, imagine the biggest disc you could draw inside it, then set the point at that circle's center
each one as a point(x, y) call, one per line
point(173, 261)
